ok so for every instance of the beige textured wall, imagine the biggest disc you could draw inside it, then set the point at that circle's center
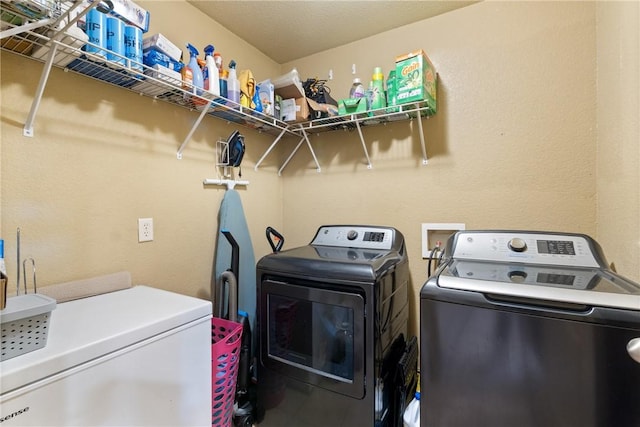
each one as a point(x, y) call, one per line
point(618, 165)
point(102, 157)
point(513, 144)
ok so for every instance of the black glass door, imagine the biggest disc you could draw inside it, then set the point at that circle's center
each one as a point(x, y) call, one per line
point(315, 335)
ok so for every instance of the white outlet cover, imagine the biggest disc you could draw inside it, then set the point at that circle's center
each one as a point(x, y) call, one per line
point(145, 230)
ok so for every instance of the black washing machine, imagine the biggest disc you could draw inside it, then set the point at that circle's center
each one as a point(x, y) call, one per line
point(332, 323)
point(528, 329)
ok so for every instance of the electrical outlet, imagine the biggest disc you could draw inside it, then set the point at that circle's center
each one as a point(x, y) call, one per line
point(433, 232)
point(145, 230)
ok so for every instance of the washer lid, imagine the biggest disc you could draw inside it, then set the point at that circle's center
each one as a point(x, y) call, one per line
point(327, 262)
point(591, 287)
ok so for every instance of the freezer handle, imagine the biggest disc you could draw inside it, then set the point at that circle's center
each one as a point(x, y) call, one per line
point(633, 348)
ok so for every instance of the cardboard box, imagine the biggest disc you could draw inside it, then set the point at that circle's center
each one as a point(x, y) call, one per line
point(302, 109)
point(290, 91)
point(162, 44)
point(288, 110)
point(352, 106)
point(416, 79)
point(295, 109)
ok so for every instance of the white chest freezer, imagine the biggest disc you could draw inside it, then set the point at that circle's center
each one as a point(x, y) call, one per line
point(135, 357)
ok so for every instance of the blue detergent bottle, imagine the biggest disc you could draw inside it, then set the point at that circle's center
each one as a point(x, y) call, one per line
point(198, 79)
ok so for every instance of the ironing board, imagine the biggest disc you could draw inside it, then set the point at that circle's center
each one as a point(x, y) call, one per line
point(231, 218)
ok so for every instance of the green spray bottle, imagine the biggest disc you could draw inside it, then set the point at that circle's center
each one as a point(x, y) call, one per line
point(391, 92)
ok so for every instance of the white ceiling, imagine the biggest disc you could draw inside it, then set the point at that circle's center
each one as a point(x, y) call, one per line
point(289, 30)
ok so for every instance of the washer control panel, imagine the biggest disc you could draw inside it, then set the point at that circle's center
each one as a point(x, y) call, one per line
point(573, 250)
point(355, 236)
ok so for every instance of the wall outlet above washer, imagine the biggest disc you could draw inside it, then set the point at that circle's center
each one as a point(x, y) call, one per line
point(434, 232)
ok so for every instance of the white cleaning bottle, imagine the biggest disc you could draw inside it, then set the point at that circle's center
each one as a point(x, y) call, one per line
point(411, 416)
point(233, 85)
point(211, 73)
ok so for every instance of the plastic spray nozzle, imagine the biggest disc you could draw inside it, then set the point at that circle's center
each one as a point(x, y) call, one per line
point(208, 50)
point(232, 65)
point(192, 49)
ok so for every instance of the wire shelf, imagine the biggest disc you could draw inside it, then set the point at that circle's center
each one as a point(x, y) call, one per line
point(34, 38)
point(34, 33)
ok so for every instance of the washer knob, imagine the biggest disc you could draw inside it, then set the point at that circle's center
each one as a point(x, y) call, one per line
point(352, 234)
point(517, 245)
point(517, 276)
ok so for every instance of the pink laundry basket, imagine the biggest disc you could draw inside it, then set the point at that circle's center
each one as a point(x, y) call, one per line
point(225, 355)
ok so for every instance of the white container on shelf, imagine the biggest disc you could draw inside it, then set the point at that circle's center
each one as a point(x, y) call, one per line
point(70, 48)
point(411, 416)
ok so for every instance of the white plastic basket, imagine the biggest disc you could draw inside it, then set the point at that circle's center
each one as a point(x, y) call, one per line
point(25, 324)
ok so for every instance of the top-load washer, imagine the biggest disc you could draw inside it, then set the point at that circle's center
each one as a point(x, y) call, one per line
point(522, 328)
point(332, 323)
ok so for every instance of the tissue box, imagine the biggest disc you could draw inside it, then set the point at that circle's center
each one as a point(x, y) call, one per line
point(152, 57)
point(163, 44)
point(416, 79)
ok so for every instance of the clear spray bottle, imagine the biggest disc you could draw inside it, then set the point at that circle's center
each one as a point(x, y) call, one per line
point(233, 85)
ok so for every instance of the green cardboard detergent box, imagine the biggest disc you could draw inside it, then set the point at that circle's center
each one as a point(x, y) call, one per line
point(352, 106)
point(416, 79)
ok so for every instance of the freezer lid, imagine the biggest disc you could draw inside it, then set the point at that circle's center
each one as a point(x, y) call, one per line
point(88, 328)
point(591, 287)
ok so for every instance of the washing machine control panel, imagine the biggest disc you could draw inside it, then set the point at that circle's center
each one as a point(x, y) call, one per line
point(573, 250)
point(355, 236)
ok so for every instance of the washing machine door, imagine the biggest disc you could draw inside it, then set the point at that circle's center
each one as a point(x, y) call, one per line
point(314, 335)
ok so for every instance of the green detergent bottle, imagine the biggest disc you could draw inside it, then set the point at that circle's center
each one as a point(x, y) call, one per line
point(378, 100)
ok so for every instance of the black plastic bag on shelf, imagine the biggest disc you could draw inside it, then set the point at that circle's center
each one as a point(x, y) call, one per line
point(321, 104)
point(317, 90)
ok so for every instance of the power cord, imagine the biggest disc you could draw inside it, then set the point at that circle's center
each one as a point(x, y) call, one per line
point(435, 257)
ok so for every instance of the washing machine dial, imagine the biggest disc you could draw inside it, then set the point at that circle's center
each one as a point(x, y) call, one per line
point(517, 244)
point(517, 276)
point(352, 234)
